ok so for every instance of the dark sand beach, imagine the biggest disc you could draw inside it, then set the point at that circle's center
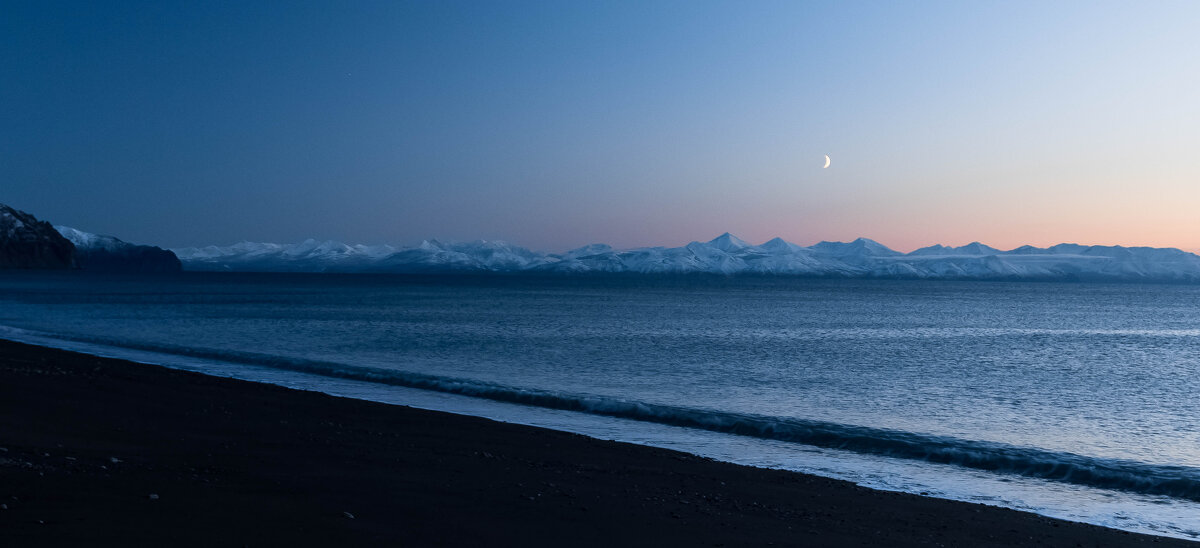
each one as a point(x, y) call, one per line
point(107, 452)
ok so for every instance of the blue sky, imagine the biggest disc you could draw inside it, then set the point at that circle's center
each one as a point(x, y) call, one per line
point(556, 124)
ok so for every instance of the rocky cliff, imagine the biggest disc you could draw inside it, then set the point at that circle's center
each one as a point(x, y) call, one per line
point(26, 242)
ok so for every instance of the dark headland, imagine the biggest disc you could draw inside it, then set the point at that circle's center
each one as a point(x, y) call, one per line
point(27, 243)
point(106, 452)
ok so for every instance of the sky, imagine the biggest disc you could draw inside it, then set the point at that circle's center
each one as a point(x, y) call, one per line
point(557, 124)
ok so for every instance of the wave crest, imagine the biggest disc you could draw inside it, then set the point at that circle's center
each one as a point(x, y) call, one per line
point(1117, 474)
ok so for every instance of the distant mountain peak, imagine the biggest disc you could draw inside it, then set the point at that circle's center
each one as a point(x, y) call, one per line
point(976, 248)
point(859, 247)
point(873, 245)
point(780, 245)
point(728, 242)
point(972, 249)
point(935, 249)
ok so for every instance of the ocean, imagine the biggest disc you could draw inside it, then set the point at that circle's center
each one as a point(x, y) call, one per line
point(1076, 401)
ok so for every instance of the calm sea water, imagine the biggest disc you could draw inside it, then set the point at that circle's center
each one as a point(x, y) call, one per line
point(1077, 401)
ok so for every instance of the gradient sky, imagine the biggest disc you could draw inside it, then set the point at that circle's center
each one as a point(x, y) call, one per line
point(557, 124)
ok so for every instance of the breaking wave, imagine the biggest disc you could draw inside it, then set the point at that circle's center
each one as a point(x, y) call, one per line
point(1117, 474)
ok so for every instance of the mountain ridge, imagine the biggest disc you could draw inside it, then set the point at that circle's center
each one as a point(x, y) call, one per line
point(100, 253)
point(724, 255)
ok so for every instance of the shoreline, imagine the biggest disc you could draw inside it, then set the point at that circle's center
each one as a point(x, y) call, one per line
point(106, 451)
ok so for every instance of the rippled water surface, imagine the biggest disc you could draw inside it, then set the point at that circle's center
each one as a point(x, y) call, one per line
point(1026, 382)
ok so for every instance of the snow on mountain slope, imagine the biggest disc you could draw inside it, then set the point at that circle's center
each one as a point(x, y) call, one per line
point(89, 240)
point(729, 243)
point(973, 248)
point(97, 252)
point(329, 256)
point(725, 254)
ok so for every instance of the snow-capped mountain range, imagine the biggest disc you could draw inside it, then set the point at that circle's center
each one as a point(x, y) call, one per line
point(725, 254)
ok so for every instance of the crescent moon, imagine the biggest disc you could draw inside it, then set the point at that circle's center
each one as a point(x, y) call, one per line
point(826, 160)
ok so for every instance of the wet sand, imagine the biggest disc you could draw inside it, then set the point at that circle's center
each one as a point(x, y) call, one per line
point(96, 451)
